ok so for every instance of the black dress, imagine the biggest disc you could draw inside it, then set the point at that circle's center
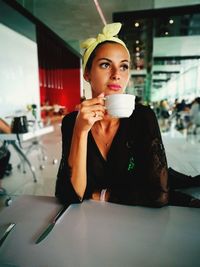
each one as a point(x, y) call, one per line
point(135, 171)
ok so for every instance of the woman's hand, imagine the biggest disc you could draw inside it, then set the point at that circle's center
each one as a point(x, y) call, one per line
point(90, 111)
point(96, 195)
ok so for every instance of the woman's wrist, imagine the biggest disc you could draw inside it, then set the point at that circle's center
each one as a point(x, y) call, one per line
point(103, 195)
point(80, 133)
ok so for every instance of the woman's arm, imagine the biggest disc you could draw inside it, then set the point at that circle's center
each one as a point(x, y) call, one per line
point(72, 176)
point(64, 190)
point(157, 165)
point(4, 127)
point(77, 161)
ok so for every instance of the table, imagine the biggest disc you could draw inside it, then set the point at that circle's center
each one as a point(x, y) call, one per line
point(96, 234)
point(12, 139)
point(27, 136)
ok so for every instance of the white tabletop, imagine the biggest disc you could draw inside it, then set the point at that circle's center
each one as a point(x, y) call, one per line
point(96, 234)
point(27, 136)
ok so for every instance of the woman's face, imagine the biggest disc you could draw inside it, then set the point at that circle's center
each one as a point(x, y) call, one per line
point(109, 73)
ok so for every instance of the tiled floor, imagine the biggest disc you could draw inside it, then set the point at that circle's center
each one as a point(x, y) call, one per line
point(183, 154)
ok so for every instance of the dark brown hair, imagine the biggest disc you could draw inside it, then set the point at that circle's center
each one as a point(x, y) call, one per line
point(93, 54)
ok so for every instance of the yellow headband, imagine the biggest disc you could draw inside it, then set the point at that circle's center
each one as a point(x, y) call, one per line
point(109, 31)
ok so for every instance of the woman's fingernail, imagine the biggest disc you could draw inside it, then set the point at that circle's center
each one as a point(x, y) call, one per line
point(101, 95)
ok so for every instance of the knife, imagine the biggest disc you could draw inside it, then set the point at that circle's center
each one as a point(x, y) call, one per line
point(6, 233)
point(51, 225)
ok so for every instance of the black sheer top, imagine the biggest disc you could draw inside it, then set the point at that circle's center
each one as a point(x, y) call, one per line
point(135, 171)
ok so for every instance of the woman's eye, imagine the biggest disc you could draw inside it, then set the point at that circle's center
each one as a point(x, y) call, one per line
point(124, 67)
point(104, 65)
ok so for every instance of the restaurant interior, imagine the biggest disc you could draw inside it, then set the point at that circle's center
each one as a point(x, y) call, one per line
point(41, 81)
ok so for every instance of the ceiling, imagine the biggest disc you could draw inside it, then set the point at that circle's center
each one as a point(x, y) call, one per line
point(76, 20)
point(160, 42)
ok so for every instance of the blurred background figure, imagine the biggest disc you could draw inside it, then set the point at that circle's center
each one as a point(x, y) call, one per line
point(164, 115)
point(195, 115)
point(181, 112)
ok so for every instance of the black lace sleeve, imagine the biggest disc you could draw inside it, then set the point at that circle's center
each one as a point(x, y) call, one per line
point(157, 170)
point(64, 189)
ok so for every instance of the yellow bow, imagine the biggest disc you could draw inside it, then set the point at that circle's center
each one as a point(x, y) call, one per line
point(109, 31)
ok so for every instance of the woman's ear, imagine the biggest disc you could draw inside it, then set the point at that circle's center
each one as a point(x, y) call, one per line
point(86, 76)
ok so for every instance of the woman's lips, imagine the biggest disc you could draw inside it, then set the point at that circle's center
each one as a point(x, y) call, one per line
point(114, 87)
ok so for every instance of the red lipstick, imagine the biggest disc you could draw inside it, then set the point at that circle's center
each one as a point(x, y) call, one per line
point(114, 87)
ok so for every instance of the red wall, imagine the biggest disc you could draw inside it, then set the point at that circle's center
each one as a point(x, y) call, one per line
point(59, 71)
point(65, 92)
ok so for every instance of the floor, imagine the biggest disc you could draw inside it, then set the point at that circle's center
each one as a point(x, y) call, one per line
point(20, 182)
point(183, 154)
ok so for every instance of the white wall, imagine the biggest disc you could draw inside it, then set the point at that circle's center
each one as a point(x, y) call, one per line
point(19, 78)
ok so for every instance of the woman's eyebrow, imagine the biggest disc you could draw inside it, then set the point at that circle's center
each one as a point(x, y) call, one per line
point(104, 58)
point(126, 61)
point(107, 59)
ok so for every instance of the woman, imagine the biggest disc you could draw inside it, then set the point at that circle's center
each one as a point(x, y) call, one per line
point(106, 158)
point(4, 155)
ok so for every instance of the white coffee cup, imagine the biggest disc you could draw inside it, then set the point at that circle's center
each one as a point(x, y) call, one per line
point(120, 105)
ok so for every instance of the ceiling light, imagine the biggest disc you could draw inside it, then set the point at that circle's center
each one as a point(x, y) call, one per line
point(171, 21)
point(137, 41)
point(137, 48)
point(166, 33)
point(137, 24)
point(137, 54)
point(99, 10)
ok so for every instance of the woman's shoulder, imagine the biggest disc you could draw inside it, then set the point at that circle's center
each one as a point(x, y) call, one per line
point(69, 119)
point(143, 111)
point(143, 117)
point(146, 121)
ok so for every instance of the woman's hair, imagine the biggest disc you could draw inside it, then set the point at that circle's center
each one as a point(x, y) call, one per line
point(93, 54)
point(109, 33)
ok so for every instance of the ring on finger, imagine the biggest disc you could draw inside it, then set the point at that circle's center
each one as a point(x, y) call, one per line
point(95, 114)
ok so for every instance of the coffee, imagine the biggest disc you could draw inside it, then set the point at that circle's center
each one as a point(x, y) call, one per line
point(120, 105)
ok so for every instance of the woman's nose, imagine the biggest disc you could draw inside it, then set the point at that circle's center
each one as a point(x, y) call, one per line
point(115, 74)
